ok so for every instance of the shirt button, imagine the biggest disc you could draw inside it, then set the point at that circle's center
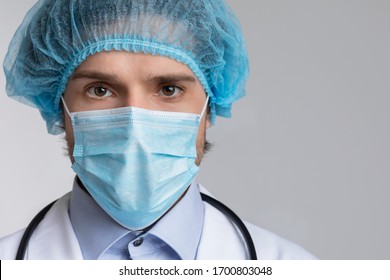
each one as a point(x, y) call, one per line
point(138, 242)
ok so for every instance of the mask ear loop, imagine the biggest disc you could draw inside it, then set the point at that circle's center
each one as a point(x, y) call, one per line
point(205, 107)
point(66, 107)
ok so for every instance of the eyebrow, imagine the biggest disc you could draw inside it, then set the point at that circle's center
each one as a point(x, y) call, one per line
point(171, 78)
point(94, 75)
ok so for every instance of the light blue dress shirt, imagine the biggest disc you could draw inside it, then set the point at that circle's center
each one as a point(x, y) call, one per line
point(175, 236)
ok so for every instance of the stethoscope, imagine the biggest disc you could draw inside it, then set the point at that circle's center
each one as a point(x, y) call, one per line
point(250, 247)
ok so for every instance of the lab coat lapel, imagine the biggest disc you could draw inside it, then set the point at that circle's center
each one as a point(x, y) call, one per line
point(220, 239)
point(54, 238)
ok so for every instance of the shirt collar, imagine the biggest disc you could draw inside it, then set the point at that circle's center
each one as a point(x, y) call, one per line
point(96, 231)
point(181, 228)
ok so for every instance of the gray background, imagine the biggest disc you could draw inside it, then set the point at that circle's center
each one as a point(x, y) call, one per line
point(306, 154)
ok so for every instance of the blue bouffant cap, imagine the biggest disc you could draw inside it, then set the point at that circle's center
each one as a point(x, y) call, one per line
point(56, 36)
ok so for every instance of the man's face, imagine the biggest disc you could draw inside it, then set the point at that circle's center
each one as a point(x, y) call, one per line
point(116, 79)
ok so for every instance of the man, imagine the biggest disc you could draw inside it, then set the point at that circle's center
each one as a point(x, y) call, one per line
point(134, 85)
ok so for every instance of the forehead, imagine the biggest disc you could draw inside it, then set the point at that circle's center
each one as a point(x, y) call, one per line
point(134, 63)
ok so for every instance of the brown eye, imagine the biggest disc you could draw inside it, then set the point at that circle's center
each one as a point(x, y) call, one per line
point(99, 92)
point(170, 91)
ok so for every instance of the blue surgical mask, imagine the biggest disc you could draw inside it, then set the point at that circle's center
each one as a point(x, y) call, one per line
point(135, 163)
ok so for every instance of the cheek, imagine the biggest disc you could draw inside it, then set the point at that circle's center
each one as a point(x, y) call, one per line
point(201, 130)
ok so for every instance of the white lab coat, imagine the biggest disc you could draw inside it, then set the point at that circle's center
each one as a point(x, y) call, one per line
point(54, 238)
